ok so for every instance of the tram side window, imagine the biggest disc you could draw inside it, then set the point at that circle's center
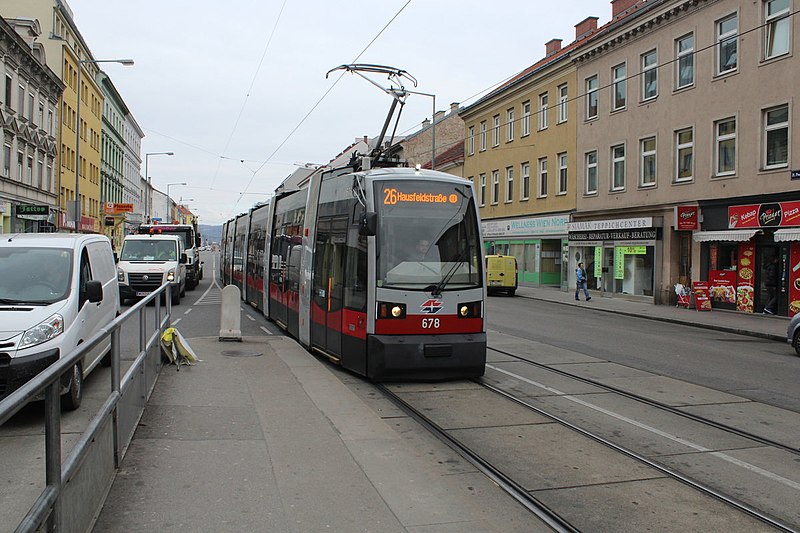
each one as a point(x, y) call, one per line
point(355, 284)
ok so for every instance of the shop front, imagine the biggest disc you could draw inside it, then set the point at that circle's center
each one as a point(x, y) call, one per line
point(536, 242)
point(750, 256)
point(620, 255)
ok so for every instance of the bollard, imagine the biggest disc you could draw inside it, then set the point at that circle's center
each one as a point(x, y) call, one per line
point(230, 323)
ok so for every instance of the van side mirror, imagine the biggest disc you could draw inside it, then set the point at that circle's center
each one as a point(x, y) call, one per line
point(184, 259)
point(368, 224)
point(198, 240)
point(94, 291)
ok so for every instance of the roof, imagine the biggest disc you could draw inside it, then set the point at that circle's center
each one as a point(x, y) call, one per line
point(452, 155)
point(49, 240)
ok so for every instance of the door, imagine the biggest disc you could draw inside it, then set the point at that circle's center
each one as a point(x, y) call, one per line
point(607, 284)
point(328, 285)
point(765, 255)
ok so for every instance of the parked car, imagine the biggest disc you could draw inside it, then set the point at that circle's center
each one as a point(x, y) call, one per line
point(147, 261)
point(793, 333)
point(56, 291)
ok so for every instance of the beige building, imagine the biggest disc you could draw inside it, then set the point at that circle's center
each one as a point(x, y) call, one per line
point(64, 47)
point(687, 108)
point(520, 154)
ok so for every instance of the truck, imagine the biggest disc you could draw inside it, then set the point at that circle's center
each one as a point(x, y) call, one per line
point(191, 245)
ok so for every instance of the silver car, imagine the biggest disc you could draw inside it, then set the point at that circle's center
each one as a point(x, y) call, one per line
point(793, 333)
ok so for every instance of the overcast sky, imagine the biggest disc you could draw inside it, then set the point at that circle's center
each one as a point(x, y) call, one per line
point(224, 84)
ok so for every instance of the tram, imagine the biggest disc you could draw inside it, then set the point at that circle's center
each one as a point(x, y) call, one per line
point(380, 271)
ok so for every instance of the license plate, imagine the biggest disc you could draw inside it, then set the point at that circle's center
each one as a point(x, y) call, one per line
point(142, 293)
point(494, 282)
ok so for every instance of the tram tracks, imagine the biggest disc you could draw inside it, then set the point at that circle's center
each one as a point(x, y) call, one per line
point(540, 498)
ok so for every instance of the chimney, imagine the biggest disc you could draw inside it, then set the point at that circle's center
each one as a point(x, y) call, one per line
point(454, 107)
point(426, 123)
point(584, 27)
point(438, 115)
point(552, 46)
point(620, 6)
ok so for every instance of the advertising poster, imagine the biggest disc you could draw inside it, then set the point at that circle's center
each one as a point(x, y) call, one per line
point(701, 300)
point(794, 279)
point(722, 286)
point(598, 261)
point(746, 277)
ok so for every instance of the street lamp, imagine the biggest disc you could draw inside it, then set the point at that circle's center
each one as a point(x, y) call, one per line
point(149, 192)
point(433, 126)
point(81, 62)
point(168, 186)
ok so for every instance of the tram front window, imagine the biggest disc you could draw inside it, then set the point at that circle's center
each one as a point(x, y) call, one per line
point(428, 235)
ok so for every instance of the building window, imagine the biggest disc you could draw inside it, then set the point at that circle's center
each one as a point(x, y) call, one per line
point(620, 83)
point(684, 66)
point(29, 173)
point(526, 118)
point(618, 167)
point(776, 137)
point(649, 75)
point(20, 165)
point(509, 184)
point(9, 88)
point(542, 177)
point(495, 186)
point(648, 162)
point(725, 142)
point(591, 172)
point(483, 190)
point(7, 160)
point(471, 141)
point(562, 173)
point(496, 130)
point(21, 101)
point(727, 44)
point(526, 180)
point(591, 98)
point(563, 98)
point(778, 26)
point(684, 150)
point(543, 111)
point(483, 136)
point(510, 125)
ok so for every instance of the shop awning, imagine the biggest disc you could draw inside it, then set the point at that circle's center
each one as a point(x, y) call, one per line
point(787, 234)
point(735, 235)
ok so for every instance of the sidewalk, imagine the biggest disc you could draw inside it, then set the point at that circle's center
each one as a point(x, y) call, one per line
point(261, 436)
point(754, 325)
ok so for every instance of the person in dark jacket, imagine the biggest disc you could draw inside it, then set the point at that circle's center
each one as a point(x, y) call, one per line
point(771, 283)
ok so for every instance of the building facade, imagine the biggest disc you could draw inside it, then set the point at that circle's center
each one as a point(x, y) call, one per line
point(685, 152)
point(29, 120)
point(133, 191)
point(112, 162)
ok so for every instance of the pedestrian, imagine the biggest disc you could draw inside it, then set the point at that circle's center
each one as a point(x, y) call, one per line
point(771, 284)
point(580, 282)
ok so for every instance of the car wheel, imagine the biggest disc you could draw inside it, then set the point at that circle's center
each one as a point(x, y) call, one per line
point(72, 399)
point(796, 341)
point(512, 291)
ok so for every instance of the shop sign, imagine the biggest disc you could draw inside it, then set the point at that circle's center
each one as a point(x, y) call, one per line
point(687, 217)
point(598, 261)
point(701, 301)
point(794, 279)
point(33, 212)
point(633, 250)
point(615, 224)
point(116, 209)
point(87, 224)
point(723, 286)
point(649, 234)
point(525, 227)
point(746, 277)
point(795, 174)
point(764, 215)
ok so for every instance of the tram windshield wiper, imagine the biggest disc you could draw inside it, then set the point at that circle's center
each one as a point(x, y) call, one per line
point(436, 289)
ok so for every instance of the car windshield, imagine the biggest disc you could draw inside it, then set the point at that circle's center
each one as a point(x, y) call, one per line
point(428, 235)
point(148, 250)
point(34, 275)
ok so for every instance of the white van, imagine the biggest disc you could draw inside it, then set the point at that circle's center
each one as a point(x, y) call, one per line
point(147, 261)
point(56, 291)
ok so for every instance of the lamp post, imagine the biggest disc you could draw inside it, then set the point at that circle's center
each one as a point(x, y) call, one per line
point(433, 126)
point(168, 199)
point(81, 62)
point(148, 207)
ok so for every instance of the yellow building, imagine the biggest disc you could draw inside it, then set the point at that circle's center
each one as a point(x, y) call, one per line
point(65, 49)
point(520, 154)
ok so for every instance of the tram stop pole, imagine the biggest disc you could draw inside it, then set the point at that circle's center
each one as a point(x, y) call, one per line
point(230, 322)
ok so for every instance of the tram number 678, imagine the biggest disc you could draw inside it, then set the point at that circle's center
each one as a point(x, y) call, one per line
point(430, 323)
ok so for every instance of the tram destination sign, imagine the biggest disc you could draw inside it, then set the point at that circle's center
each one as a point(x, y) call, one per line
point(615, 235)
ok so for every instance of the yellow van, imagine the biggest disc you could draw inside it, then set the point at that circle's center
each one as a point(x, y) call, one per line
point(501, 274)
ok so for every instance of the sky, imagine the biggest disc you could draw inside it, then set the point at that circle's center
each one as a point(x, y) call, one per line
point(238, 89)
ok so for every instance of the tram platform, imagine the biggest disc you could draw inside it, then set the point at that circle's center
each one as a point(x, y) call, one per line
point(263, 436)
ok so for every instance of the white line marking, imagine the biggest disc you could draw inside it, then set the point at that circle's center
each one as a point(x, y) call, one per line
point(250, 317)
point(724, 456)
point(265, 330)
point(174, 322)
point(188, 311)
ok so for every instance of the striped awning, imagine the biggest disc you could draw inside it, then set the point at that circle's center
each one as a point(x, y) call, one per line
point(787, 234)
point(735, 235)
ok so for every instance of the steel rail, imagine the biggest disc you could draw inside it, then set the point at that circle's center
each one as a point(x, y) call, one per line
point(539, 509)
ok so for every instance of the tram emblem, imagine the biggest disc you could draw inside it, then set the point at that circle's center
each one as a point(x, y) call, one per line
point(431, 306)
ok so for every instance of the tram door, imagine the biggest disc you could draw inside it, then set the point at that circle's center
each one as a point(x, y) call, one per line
point(328, 283)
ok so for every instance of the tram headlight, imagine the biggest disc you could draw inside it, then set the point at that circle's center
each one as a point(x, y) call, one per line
point(391, 310)
point(469, 310)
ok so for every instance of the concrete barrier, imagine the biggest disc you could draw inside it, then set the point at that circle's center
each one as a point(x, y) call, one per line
point(230, 322)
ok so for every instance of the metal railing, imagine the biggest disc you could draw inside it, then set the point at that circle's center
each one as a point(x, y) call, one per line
point(89, 467)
